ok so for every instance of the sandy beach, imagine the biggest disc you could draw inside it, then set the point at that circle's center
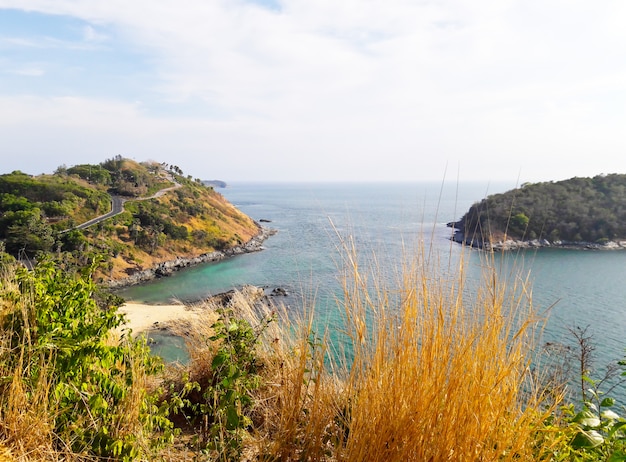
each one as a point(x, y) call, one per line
point(141, 317)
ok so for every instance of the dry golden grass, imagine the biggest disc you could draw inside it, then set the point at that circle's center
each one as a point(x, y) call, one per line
point(441, 376)
point(26, 419)
point(435, 374)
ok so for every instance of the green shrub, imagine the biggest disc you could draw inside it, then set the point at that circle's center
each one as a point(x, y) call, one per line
point(90, 389)
point(218, 405)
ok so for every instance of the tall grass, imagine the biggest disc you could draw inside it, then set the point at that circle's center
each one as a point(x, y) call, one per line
point(436, 368)
point(26, 418)
point(436, 372)
point(442, 374)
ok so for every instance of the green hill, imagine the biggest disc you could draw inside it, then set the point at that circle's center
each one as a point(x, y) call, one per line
point(165, 216)
point(578, 211)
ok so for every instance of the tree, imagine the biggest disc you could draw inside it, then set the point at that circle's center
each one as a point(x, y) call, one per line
point(519, 222)
point(29, 233)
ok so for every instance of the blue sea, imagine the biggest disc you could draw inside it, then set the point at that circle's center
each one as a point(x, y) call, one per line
point(387, 222)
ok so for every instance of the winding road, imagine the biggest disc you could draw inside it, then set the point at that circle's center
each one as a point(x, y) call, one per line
point(117, 206)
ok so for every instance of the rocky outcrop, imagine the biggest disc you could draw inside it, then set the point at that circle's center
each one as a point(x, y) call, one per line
point(169, 267)
point(252, 294)
point(505, 243)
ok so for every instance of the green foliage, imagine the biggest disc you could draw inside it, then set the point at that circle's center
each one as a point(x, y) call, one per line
point(155, 217)
point(27, 231)
point(129, 178)
point(57, 334)
point(11, 203)
point(598, 432)
point(50, 201)
point(5, 258)
point(95, 174)
point(578, 209)
point(220, 404)
point(596, 429)
point(74, 240)
point(519, 222)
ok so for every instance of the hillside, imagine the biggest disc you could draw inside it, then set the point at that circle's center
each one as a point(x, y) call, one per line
point(165, 216)
point(588, 212)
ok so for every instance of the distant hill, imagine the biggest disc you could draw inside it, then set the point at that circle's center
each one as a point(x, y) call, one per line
point(163, 216)
point(578, 211)
point(215, 183)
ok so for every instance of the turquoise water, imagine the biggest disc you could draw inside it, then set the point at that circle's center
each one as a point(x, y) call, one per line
point(311, 220)
point(170, 347)
point(583, 288)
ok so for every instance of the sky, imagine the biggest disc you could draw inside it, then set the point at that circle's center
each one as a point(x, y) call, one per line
point(317, 90)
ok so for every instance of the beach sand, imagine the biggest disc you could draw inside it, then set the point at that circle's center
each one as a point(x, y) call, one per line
point(141, 317)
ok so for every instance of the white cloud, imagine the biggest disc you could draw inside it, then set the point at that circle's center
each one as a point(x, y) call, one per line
point(31, 71)
point(90, 34)
point(368, 88)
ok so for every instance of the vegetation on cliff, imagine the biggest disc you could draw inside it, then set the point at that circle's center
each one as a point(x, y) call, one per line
point(573, 211)
point(40, 214)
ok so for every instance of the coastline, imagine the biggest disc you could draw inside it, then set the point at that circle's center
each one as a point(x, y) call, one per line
point(518, 244)
point(167, 268)
point(141, 317)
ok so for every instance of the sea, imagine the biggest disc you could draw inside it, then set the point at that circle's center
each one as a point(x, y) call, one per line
point(388, 223)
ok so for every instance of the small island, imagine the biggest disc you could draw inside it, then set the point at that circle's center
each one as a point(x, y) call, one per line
point(584, 213)
point(215, 183)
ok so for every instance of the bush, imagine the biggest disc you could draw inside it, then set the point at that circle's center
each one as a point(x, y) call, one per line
point(217, 401)
point(64, 380)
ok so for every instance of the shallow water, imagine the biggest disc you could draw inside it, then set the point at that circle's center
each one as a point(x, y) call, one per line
point(171, 348)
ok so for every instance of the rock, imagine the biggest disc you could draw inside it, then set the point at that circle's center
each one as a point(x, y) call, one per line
point(167, 268)
point(517, 244)
point(249, 292)
point(279, 292)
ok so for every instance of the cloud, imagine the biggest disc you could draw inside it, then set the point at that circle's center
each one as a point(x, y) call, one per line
point(28, 71)
point(366, 88)
point(90, 34)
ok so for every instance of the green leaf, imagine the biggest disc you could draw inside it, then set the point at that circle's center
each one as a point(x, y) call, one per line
point(229, 397)
point(617, 456)
point(607, 402)
point(233, 372)
point(588, 380)
point(232, 418)
point(587, 439)
point(586, 418)
point(617, 426)
point(218, 360)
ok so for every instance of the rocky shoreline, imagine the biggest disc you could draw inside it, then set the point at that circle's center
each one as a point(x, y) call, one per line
point(169, 267)
point(477, 242)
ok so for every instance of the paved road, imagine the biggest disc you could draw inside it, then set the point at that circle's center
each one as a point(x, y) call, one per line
point(117, 206)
